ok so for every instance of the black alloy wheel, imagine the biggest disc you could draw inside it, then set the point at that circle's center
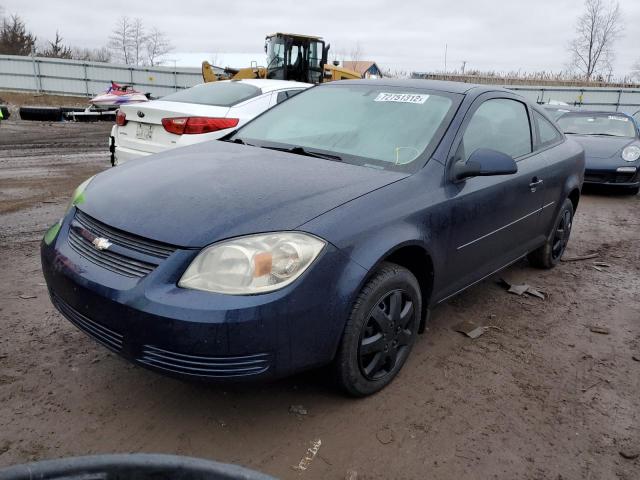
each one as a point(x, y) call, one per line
point(387, 334)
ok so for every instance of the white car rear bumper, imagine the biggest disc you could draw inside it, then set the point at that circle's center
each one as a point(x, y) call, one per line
point(123, 155)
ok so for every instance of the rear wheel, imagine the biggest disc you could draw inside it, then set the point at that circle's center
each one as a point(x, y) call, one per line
point(549, 255)
point(380, 332)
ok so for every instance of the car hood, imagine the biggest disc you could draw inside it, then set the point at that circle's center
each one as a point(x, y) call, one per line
point(197, 195)
point(602, 147)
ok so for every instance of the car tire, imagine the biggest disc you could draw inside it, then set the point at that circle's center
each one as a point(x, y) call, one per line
point(633, 191)
point(549, 255)
point(385, 320)
point(42, 114)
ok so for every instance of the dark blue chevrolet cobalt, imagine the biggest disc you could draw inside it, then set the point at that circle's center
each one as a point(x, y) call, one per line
point(323, 232)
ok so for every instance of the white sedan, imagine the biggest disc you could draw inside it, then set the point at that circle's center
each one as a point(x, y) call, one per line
point(205, 112)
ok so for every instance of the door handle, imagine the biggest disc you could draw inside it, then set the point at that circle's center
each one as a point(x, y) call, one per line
point(535, 182)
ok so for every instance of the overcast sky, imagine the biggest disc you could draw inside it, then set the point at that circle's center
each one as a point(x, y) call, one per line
point(401, 35)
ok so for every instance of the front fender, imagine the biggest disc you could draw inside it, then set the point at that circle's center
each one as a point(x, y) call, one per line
point(409, 212)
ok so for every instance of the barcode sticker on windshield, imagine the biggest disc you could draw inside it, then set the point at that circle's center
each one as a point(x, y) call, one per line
point(622, 119)
point(401, 97)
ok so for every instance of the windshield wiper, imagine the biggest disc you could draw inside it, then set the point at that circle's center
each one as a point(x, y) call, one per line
point(239, 141)
point(593, 134)
point(302, 151)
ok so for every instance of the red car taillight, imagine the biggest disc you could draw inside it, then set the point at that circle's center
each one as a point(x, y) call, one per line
point(121, 118)
point(195, 125)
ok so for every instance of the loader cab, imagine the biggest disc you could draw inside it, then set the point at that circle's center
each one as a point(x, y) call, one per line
point(295, 57)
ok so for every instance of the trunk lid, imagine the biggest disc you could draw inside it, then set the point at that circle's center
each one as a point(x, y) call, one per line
point(144, 130)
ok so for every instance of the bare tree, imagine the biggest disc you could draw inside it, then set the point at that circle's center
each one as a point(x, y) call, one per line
point(356, 53)
point(596, 31)
point(138, 41)
point(14, 37)
point(157, 45)
point(120, 40)
point(635, 71)
point(102, 54)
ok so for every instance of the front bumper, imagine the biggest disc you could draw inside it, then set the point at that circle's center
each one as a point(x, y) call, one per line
point(610, 176)
point(189, 333)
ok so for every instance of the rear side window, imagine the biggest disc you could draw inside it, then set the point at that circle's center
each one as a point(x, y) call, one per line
point(221, 94)
point(548, 133)
point(499, 124)
point(283, 95)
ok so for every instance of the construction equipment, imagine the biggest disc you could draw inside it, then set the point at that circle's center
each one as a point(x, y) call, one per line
point(301, 58)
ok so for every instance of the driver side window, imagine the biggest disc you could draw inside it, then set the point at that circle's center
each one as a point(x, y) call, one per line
point(499, 124)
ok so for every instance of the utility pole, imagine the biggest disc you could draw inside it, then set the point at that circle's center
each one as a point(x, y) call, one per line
point(445, 57)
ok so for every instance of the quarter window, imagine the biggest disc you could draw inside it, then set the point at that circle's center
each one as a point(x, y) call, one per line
point(284, 94)
point(499, 124)
point(548, 133)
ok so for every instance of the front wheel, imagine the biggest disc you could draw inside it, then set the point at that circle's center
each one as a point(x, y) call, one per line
point(380, 332)
point(549, 255)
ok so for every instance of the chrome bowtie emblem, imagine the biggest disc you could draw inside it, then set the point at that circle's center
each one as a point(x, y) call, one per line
point(101, 243)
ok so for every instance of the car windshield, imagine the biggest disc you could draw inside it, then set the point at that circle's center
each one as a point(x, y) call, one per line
point(376, 126)
point(222, 94)
point(596, 124)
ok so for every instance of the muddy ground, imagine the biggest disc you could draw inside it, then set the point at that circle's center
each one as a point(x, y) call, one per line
point(538, 396)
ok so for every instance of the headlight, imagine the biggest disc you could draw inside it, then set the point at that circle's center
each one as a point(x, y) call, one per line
point(631, 153)
point(252, 264)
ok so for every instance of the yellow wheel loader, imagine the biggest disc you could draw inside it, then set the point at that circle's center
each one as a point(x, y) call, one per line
point(300, 58)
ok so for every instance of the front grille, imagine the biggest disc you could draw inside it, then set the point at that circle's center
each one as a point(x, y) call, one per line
point(135, 257)
point(607, 177)
point(112, 261)
point(200, 366)
point(595, 177)
point(124, 239)
point(106, 336)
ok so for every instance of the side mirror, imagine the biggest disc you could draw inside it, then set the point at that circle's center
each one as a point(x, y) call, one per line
point(485, 162)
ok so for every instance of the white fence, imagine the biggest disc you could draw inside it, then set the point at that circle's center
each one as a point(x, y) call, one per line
point(75, 77)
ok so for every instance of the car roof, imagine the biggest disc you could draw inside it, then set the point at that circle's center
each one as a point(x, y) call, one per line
point(270, 85)
point(442, 85)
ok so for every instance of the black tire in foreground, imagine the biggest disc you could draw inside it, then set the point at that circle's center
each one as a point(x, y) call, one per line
point(5, 112)
point(380, 332)
point(549, 255)
point(42, 114)
point(130, 467)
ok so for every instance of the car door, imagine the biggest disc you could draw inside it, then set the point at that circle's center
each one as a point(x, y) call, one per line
point(494, 219)
point(547, 137)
